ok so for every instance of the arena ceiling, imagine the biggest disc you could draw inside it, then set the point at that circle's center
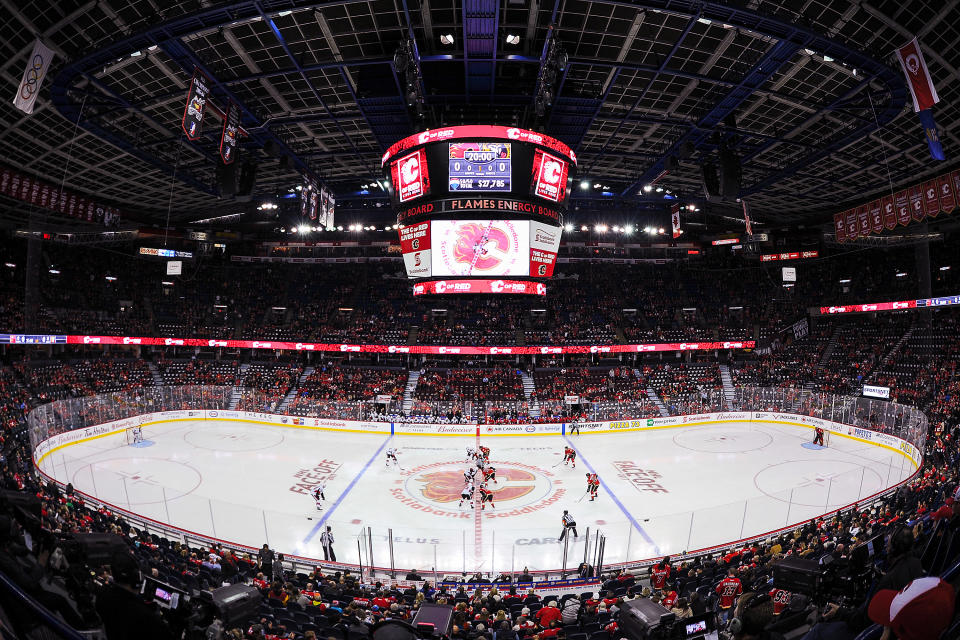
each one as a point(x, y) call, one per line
point(805, 91)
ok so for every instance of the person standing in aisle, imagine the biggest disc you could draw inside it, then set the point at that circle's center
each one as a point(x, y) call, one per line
point(326, 539)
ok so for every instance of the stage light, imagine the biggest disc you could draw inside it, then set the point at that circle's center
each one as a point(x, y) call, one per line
point(647, 188)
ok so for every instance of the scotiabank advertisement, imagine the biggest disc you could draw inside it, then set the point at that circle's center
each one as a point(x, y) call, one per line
point(415, 246)
point(544, 244)
point(410, 176)
point(549, 177)
point(480, 247)
point(479, 286)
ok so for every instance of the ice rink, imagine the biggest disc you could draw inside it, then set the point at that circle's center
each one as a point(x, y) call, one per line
point(662, 491)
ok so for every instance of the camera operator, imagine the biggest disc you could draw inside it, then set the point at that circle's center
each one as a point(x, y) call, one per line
point(844, 623)
point(752, 615)
point(124, 613)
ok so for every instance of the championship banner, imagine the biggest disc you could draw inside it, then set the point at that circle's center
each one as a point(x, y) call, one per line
point(916, 204)
point(840, 227)
point(955, 183)
point(746, 218)
point(889, 213)
point(918, 76)
point(931, 199)
point(947, 194)
point(901, 202)
point(314, 203)
point(876, 216)
point(863, 220)
point(331, 202)
point(675, 219)
point(851, 218)
point(228, 136)
point(196, 104)
point(37, 65)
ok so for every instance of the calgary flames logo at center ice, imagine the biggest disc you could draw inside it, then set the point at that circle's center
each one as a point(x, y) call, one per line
point(445, 486)
point(480, 246)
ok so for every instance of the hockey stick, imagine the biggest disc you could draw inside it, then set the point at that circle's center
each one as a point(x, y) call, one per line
point(584, 495)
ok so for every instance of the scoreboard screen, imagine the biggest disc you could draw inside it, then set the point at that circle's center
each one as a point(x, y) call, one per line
point(479, 166)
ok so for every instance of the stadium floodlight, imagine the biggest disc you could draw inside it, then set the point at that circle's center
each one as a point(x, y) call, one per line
point(691, 207)
point(628, 229)
point(661, 231)
point(584, 228)
point(294, 229)
point(845, 281)
point(584, 184)
point(10, 265)
point(659, 189)
point(55, 272)
point(513, 38)
point(944, 268)
point(901, 274)
point(648, 188)
point(601, 228)
point(110, 278)
point(446, 38)
point(166, 283)
point(569, 227)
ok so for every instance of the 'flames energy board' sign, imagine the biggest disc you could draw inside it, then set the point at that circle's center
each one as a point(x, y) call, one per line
point(479, 166)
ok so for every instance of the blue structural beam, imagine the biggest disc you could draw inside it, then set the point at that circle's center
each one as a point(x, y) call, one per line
point(572, 116)
point(313, 89)
point(768, 65)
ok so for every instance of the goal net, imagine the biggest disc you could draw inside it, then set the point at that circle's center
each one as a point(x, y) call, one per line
point(134, 435)
point(826, 437)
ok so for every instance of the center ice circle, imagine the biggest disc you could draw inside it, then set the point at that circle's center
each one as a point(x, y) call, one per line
point(440, 484)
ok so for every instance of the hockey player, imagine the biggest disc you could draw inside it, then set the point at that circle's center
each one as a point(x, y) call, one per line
point(593, 484)
point(818, 436)
point(392, 457)
point(484, 453)
point(486, 496)
point(471, 454)
point(466, 494)
point(469, 475)
point(490, 474)
point(318, 496)
point(570, 455)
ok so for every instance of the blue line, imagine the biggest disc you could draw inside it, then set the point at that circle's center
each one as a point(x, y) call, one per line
point(616, 500)
point(343, 495)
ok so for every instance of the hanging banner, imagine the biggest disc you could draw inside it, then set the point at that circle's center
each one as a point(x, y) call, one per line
point(901, 203)
point(889, 213)
point(955, 184)
point(863, 220)
point(931, 199)
point(37, 65)
point(314, 203)
point(947, 194)
point(851, 217)
point(916, 204)
point(746, 219)
point(196, 104)
point(918, 76)
point(675, 219)
point(876, 216)
point(840, 227)
point(228, 136)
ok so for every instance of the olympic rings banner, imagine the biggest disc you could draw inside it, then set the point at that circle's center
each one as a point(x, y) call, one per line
point(37, 66)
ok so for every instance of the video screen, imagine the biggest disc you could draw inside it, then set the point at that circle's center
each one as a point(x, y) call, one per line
point(480, 247)
point(479, 166)
point(549, 176)
point(410, 176)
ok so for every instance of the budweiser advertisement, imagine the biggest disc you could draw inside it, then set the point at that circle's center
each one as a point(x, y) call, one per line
point(283, 345)
point(435, 287)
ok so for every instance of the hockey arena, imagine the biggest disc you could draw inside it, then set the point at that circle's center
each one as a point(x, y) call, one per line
point(738, 475)
point(480, 320)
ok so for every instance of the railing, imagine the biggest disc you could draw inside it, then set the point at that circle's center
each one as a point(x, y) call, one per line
point(503, 544)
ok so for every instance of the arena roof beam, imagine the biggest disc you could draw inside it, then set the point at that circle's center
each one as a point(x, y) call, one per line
point(643, 94)
point(762, 70)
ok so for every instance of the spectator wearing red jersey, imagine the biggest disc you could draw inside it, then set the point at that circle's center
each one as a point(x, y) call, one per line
point(548, 614)
point(660, 573)
point(728, 589)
